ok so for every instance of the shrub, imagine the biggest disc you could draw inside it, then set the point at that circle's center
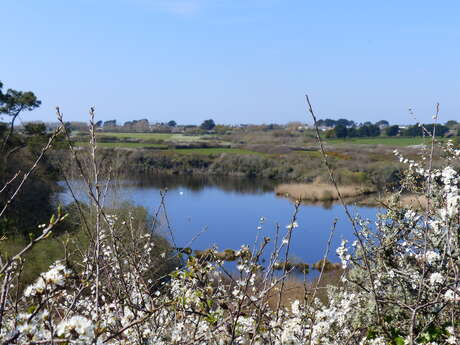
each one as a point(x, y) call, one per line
point(400, 286)
point(400, 283)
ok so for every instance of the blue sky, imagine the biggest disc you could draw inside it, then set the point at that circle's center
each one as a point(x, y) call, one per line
point(236, 61)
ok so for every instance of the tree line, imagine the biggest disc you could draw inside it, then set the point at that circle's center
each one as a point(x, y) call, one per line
point(343, 128)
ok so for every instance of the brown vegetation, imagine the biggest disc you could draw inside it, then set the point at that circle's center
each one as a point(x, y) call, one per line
point(404, 200)
point(297, 289)
point(320, 191)
point(414, 201)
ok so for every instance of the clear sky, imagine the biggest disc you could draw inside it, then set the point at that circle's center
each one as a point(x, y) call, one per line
point(236, 61)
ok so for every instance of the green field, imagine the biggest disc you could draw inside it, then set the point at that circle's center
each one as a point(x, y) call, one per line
point(389, 141)
point(161, 140)
point(126, 145)
point(153, 136)
point(203, 151)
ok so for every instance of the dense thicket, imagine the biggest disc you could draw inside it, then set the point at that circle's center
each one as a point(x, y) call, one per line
point(18, 152)
point(33, 204)
point(354, 165)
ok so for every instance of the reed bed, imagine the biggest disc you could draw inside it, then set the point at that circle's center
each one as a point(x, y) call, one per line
point(320, 191)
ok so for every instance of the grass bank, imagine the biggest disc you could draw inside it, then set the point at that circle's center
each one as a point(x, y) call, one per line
point(353, 166)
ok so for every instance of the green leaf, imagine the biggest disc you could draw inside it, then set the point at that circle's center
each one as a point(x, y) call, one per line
point(371, 334)
point(399, 341)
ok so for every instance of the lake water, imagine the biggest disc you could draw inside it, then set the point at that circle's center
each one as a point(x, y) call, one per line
point(226, 213)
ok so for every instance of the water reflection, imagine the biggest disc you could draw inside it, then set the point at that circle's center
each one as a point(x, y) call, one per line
point(225, 213)
point(198, 183)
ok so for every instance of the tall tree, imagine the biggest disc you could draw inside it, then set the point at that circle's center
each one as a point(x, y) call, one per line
point(35, 128)
point(208, 124)
point(451, 124)
point(374, 130)
point(345, 122)
point(110, 124)
point(12, 103)
point(426, 129)
point(392, 130)
point(352, 132)
point(363, 131)
point(330, 123)
point(341, 131)
point(382, 123)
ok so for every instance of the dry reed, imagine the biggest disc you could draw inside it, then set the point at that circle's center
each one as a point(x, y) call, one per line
point(320, 191)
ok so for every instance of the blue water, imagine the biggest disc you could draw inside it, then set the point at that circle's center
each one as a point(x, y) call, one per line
point(223, 218)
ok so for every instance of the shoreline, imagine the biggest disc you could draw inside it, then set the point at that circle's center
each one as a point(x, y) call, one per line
point(367, 198)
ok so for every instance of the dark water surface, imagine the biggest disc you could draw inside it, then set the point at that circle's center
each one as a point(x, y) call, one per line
point(226, 213)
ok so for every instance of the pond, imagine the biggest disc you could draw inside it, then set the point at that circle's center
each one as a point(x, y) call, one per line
point(226, 213)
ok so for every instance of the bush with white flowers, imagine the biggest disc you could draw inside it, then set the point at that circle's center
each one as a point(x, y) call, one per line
point(401, 286)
